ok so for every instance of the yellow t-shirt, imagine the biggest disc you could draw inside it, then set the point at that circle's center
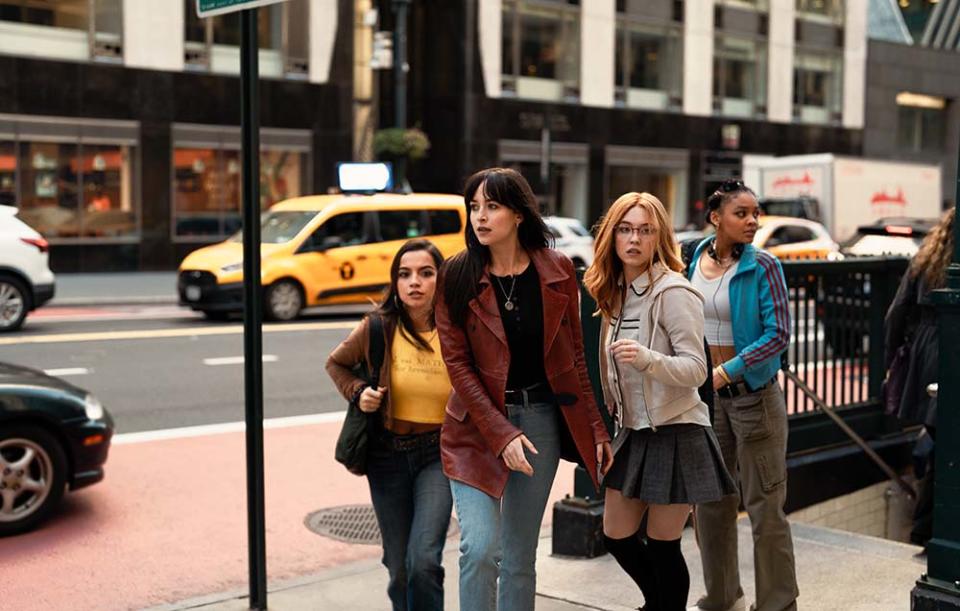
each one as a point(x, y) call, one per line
point(419, 386)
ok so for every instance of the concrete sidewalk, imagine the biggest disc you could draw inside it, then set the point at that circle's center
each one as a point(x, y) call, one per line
point(128, 288)
point(837, 571)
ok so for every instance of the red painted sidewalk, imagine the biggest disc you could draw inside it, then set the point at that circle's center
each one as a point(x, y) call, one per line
point(169, 523)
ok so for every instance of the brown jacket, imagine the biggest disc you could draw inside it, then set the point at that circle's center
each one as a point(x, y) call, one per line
point(476, 428)
point(350, 353)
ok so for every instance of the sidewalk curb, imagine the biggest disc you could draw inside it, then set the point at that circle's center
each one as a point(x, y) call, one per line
point(112, 301)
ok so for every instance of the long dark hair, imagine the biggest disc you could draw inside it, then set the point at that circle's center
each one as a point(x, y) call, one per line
point(462, 272)
point(391, 307)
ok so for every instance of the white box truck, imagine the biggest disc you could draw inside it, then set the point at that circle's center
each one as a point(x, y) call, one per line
point(844, 192)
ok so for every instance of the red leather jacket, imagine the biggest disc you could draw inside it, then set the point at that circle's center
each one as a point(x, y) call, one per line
point(475, 428)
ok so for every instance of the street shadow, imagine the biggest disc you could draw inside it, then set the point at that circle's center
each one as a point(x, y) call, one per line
point(75, 518)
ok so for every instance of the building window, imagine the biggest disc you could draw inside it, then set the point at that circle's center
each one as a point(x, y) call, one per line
point(649, 65)
point(541, 49)
point(207, 185)
point(62, 29)
point(830, 10)
point(817, 87)
point(282, 34)
point(739, 77)
point(72, 179)
point(921, 123)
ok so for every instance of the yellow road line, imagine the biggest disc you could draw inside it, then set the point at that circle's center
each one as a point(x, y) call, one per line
point(167, 333)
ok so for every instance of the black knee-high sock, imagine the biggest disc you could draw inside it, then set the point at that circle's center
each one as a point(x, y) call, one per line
point(673, 579)
point(633, 557)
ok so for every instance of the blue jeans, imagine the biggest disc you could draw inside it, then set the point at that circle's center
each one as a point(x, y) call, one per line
point(498, 538)
point(411, 497)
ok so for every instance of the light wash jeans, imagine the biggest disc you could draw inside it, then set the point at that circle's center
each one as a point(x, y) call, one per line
point(498, 538)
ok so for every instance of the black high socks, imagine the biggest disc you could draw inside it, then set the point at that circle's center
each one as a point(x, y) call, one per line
point(673, 579)
point(633, 557)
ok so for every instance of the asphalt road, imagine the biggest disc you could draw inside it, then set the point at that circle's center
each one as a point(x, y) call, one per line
point(168, 370)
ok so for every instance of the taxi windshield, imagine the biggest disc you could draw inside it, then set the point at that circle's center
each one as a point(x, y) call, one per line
point(279, 226)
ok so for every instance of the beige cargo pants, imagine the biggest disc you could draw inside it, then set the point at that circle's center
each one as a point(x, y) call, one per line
point(752, 431)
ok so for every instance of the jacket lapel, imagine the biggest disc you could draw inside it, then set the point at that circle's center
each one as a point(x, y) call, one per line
point(554, 301)
point(486, 308)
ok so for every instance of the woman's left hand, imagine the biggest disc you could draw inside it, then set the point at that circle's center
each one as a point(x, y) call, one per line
point(718, 380)
point(625, 351)
point(604, 457)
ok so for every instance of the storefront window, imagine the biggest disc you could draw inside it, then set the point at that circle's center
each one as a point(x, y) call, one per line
point(648, 65)
point(921, 123)
point(8, 174)
point(739, 77)
point(817, 87)
point(50, 193)
point(70, 14)
point(541, 50)
point(208, 188)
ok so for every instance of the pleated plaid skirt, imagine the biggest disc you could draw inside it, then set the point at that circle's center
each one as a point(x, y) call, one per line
point(678, 463)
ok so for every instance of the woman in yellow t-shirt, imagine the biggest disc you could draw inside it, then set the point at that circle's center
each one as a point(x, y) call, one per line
point(410, 493)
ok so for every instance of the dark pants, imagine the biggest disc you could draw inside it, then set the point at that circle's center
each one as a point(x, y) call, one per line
point(411, 497)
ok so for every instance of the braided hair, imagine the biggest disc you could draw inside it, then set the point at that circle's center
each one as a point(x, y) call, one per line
point(727, 190)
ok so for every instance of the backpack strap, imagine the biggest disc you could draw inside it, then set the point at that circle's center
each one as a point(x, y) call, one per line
point(377, 349)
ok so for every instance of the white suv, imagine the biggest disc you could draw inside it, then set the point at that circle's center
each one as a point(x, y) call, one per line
point(572, 239)
point(26, 281)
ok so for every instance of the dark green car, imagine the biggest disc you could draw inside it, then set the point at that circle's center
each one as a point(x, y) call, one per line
point(53, 435)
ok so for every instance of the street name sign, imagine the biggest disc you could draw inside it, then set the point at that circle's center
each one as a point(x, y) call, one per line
point(209, 8)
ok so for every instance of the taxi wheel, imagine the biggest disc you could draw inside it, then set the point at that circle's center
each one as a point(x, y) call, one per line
point(284, 300)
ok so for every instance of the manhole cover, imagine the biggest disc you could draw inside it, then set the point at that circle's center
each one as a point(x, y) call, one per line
point(351, 524)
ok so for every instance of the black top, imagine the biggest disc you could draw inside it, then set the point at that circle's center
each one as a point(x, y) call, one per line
point(523, 326)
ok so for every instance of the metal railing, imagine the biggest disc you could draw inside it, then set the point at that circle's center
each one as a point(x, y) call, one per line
point(836, 345)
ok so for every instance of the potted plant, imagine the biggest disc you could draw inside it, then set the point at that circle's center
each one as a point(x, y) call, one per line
point(400, 146)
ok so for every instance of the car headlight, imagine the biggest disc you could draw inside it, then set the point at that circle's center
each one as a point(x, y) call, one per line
point(93, 408)
point(233, 267)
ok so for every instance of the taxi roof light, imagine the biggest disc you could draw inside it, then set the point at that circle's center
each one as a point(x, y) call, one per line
point(364, 177)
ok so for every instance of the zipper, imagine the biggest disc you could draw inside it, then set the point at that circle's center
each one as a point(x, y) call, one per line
point(616, 368)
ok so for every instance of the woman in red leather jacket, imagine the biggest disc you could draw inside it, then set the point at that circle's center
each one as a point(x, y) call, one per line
point(509, 323)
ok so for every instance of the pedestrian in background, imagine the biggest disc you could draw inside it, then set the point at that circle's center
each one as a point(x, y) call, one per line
point(652, 361)
point(509, 322)
point(410, 493)
point(747, 325)
point(912, 322)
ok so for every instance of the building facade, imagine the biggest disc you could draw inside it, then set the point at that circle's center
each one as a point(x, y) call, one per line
point(593, 98)
point(119, 121)
point(913, 86)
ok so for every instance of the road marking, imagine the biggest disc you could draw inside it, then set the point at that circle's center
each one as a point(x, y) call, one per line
point(67, 371)
point(226, 427)
point(236, 360)
point(169, 333)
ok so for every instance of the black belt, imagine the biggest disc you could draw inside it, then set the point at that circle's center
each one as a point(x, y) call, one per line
point(738, 389)
point(524, 396)
point(404, 443)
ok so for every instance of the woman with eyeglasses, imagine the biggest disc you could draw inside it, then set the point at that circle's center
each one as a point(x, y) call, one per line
point(652, 361)
point(509, 321)
point(747, 325)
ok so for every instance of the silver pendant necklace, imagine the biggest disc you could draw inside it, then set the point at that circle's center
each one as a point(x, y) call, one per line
point(509, 305)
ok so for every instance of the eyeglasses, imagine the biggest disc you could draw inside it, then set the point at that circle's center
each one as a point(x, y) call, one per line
point(625, 230)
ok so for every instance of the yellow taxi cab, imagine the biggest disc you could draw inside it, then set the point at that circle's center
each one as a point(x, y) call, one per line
point(789, 238)
point(319, 250)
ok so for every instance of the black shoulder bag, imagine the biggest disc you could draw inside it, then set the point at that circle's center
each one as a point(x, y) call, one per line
point(354, 439)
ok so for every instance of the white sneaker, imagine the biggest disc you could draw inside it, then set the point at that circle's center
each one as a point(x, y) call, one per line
point(738, 605)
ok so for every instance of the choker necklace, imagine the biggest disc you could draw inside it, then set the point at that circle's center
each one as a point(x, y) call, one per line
point(735, 253)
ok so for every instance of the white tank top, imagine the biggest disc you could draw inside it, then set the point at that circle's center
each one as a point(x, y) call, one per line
point(717, 321)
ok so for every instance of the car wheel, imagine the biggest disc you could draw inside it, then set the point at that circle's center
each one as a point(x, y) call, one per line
point(216, 315)
point(14, 303)
point(32, 477)
point(284, 300)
